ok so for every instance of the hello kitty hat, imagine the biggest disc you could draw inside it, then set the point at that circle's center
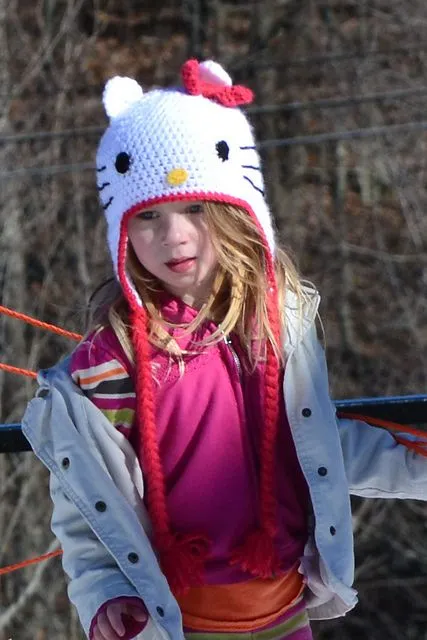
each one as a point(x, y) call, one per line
point(189, 143)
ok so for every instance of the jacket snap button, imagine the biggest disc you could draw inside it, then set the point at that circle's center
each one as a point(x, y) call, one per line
point(101, 506)
point(133, 557)
point(65, 463)
point(306, 412)
point(160, 611)
point(322, 471)
point(332, 530)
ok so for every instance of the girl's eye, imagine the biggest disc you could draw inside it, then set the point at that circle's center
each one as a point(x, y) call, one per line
point(146, 215)
point(195, 208)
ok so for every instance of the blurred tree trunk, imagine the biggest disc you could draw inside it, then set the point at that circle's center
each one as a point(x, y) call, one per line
point(12, 240)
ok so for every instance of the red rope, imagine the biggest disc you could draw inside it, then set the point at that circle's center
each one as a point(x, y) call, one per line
point(35, 323)
point(18, 370)
point(419, 446)
point(32, 374)
point(26, 563)
point(38, 323)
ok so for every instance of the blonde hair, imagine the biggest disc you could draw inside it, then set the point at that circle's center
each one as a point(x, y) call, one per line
point(238, 298)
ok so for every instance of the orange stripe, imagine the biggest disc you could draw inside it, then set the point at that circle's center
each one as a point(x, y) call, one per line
point(101, 376)
point(241, 607)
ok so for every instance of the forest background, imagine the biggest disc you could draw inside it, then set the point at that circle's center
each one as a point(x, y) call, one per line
point(340, 113)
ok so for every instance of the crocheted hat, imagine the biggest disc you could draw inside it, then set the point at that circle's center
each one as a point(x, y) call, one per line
point(184, 143)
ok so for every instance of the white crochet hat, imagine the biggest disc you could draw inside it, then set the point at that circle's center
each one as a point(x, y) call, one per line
point(187, 143)
point(179, 143)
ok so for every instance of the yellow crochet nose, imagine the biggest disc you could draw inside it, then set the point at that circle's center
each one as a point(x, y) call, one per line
point(176, 177)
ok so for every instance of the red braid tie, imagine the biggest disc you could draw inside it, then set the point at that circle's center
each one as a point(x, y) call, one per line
point(182, 556)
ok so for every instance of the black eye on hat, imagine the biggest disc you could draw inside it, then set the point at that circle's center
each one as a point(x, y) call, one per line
point(122, 162)
point(223, 150)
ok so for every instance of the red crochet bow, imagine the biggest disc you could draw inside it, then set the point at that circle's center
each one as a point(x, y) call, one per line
point(228, 96)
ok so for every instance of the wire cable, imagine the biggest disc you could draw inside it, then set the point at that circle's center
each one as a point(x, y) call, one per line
point(328, 58)
point(319, 138)
point(50, 135)
point(325, 103)
point(335, 103)
point(48, 170)
point(352, 134)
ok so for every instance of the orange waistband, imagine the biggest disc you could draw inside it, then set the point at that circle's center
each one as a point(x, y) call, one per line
point(243, 606)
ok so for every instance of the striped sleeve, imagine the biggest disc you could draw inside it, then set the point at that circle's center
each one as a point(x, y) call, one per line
point(104, 378)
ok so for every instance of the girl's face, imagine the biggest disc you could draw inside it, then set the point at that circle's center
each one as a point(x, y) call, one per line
point(172, 241)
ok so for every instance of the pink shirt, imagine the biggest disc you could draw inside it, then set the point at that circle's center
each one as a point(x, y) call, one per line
point(209, 423)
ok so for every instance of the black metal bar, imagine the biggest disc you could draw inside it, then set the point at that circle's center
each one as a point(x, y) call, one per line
point(12, 440)
point(401, 409)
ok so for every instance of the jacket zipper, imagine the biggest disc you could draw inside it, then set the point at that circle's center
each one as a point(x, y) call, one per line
point(229, 344)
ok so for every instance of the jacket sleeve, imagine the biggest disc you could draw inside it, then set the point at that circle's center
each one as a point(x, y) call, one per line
point(94, 576)
point(376, 465)
point(96, 490)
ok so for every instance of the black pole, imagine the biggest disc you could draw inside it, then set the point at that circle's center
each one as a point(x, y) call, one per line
point(400, 409)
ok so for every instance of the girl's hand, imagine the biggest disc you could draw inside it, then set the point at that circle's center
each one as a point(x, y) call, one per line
point(110, 625)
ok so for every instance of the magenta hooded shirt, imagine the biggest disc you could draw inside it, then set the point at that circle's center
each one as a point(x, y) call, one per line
point(209, 421)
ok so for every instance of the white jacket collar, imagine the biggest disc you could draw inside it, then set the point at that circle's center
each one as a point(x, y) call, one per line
point(300, 315)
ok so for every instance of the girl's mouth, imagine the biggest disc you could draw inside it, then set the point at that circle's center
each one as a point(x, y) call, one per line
point(181, 266)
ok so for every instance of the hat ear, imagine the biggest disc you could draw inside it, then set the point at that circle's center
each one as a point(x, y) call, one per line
point(212, 72)
point(119, 94)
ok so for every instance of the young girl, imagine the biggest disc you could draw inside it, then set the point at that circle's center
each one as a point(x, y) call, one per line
point(199, 475)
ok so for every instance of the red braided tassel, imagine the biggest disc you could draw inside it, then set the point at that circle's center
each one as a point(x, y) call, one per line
point(182, 560)
point(257, 555)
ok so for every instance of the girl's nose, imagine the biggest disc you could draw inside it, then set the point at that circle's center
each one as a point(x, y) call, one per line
point(173, 229)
